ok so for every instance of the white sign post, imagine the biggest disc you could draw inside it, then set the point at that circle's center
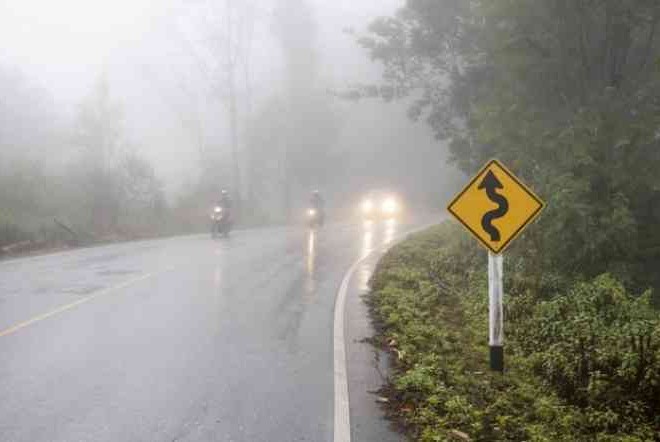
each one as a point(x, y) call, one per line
point(495, 312)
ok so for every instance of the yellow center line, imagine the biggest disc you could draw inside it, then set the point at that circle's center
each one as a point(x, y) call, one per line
point(63, 308)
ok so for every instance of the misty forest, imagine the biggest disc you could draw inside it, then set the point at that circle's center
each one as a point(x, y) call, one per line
point(125, 120)
point(236, 95)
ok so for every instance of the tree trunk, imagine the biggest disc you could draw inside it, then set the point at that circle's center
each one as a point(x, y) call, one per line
point(233, 117)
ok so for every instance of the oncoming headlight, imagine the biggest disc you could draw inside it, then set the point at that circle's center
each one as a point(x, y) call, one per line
point(367, 206)
point(390, 206)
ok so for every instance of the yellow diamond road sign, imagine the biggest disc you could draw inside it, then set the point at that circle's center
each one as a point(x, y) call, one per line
point(495, 207)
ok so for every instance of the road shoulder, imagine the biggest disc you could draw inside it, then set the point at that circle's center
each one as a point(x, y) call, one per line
point(366, 366)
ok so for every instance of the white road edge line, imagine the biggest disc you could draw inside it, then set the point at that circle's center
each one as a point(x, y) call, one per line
point(342, 431)
point(342, 426)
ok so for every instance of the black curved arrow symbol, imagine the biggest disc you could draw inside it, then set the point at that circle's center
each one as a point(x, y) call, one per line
point(490, 183)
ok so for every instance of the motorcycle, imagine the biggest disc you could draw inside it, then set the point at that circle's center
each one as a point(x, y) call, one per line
point(220, 222)
point(315, 218)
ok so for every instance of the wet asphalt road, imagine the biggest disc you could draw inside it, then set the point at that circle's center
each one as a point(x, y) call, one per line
point(183, 339)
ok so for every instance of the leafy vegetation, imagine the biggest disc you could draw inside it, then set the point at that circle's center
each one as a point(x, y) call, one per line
point(565, 93)
point(583, 358)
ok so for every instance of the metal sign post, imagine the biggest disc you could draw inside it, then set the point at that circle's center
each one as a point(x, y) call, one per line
point(495, 312)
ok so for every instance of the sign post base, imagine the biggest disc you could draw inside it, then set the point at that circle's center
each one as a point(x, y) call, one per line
point(495, 312)
point(497, 358)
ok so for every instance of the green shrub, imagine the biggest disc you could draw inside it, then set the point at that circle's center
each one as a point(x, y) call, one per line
point(599, 347)
point(583, 358)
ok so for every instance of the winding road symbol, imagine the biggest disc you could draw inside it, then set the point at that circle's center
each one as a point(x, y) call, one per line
point(495, 206)
point(490, 184)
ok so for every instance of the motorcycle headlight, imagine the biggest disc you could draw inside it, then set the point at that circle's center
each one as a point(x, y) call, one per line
point(367, 206)
point(390, 206)
point(311, 212)
point(218, 210)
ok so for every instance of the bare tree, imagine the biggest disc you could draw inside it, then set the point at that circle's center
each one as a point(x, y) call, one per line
point(218, 39)
point(187, 98)
point(98, 134)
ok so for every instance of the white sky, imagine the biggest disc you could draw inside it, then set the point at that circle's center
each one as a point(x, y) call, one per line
point(65, 45)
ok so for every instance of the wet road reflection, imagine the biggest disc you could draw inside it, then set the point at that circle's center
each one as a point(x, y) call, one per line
point(310, 285)
point(390, 231)
point(311, 252)
point(219, 265)
point(217, 277)
point(367, 242)
point(385, 232)
point(233, 320)
point(367, 247)
point(364, 275)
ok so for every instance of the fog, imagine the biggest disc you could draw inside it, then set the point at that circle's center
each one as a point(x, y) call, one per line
point(198, 108)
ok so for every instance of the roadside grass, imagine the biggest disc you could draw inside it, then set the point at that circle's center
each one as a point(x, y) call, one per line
point(582, 364)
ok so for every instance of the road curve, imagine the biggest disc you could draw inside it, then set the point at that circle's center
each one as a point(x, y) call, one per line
point(182, 339)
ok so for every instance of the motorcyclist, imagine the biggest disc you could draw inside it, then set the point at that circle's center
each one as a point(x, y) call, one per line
point(225, 200)
point(226, 204)
point(317, 203)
